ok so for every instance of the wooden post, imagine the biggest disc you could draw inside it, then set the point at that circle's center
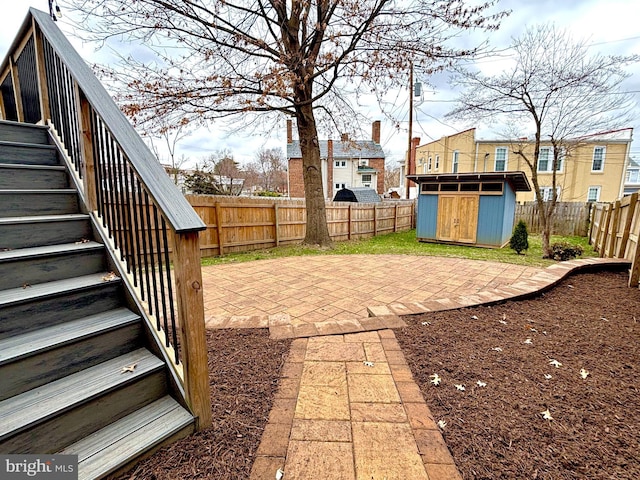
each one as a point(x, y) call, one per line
point(219, 227)
point(186, 261)
point(627, 225)
point(350, 218)
point(375, 220)
point(16, 89)
point(42, 75)
point(89, 177)
point(592, 218)
point(276, 223)
point(605, 230)
point(614, 229)
point(395, 218)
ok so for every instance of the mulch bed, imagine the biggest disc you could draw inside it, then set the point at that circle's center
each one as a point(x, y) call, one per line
point(244, 368)
point(588, 321)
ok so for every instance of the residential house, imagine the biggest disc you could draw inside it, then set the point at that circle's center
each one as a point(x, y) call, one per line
point(592, 170)
point(346, 163)
point(632, 178)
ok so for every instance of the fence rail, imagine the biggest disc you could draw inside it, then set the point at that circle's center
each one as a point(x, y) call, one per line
point(615, 230)
point(570, 218)
point(239, 224)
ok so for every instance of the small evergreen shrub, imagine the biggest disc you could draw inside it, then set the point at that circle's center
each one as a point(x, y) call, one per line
point(267, 193)
point(562, 251)
point(520, 238)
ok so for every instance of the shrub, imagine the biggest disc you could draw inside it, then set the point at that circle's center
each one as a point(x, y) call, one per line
point(520, 238)
point(267, 193)
point(565, 251)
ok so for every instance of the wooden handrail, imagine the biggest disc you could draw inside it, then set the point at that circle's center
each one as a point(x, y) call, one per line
point(139, 209)
point(179, 213)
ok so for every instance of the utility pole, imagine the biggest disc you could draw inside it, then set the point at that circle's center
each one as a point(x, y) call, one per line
point(407, 170)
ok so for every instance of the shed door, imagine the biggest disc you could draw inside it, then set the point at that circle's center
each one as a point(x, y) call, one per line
point(457, 218)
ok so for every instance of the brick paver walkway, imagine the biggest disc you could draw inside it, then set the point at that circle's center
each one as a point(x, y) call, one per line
point(347, 407)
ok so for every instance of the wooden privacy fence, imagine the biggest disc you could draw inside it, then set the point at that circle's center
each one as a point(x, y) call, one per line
point(239, 224)
point(614, 233)
point(570, 218)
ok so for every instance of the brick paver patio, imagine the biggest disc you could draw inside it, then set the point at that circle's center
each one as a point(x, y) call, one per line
point(347, 407)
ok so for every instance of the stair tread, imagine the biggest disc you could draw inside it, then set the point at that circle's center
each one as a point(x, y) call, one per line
point(31, 343)
point(28, 166)
point(23, 294)
point(39, 191)
point(44, 218)
point(112, 447)
point(35, 406)
point(46, 250)
point(26, 144)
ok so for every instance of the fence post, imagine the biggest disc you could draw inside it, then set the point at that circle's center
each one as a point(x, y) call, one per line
point(627, 225)
point(276, 223)
point(605, 230)
point(375, 220)
point(188, 275)
point(614, 229)
point(395, 218)
point(219, 227)
point(350, 218)
point(593, 209)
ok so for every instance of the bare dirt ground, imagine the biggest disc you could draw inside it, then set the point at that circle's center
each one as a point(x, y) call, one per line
point(244, 368)
point(573, 353)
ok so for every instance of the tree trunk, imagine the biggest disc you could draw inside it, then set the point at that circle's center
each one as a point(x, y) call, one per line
point(317, 232)
point(546, 220)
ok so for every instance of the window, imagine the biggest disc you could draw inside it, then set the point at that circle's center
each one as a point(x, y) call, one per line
point(633, 176)
point(547, 193)
point(340, 164)
point(546, 159)
point(366, 178)
point(598, 159)
point(501, 159)
point(340, 185)
point(454, 168)
point(363, 163)
point(593, 195)
point(429, 164)
point(437, 162)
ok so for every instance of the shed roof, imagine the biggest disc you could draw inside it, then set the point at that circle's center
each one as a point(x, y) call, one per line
point(341, 150)
point(357, 194)
point(518, 180)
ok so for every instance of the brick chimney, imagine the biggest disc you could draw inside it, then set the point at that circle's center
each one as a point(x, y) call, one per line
point(289, 131)
point(375, 132)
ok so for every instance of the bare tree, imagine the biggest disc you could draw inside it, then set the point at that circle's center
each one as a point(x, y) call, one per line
point(558, 90)
point(218, 174)
point(169, 136)
point(300, 58)
point(391, 174)
point(270, 169)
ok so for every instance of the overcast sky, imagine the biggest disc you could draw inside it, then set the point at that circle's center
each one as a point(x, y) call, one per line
point(611, 26)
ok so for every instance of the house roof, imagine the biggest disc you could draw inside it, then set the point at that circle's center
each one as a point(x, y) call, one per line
point(359, 194)
point(341, 150)
point(518, 180)
point(633, 163)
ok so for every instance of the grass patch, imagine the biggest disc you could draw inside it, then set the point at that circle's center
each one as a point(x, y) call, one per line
point(405, 243)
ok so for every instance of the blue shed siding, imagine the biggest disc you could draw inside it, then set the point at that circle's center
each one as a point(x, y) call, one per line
point(427, 216)
point(490, 216)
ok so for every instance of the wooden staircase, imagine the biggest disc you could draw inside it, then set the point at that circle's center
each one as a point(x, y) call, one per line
point(80, 371)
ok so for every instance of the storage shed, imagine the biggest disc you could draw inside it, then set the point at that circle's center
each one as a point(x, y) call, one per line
point(360, 195)
point(468, 208)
